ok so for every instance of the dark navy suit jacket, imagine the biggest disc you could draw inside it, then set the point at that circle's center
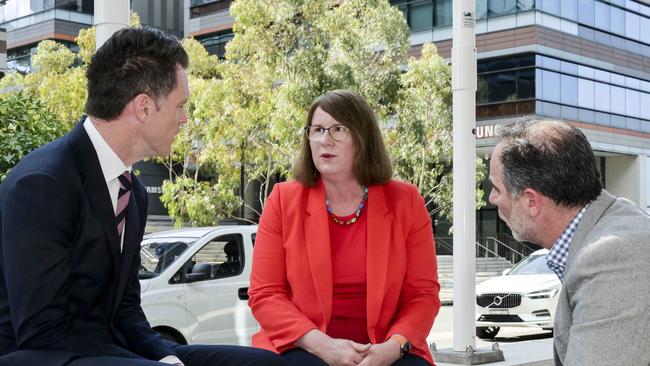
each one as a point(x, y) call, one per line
point(66, 290)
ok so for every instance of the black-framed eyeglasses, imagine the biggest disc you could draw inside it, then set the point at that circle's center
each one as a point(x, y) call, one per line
point(337, 132)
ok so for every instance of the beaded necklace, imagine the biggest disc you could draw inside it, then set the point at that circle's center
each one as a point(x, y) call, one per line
point(352, 220)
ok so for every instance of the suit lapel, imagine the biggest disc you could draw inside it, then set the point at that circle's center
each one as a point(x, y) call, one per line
point(96, 189)
point(319, 253)
point(563, 315)
point(378, 236)
point(589, 219)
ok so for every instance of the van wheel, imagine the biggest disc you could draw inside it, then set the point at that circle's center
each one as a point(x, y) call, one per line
point(487, 332)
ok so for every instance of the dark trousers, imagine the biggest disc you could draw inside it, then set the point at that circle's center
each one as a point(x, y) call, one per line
point(300, 357)
point(193, 355)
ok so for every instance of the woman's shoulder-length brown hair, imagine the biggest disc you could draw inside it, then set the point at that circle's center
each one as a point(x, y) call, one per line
point(371, 164)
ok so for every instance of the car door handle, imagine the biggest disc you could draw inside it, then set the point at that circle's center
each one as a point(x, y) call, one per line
point(243, 293)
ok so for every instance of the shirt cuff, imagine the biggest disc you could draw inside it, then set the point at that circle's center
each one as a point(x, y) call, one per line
point(172, 360)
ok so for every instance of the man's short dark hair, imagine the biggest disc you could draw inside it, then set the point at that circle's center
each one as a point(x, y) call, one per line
point(551, 157)
point(371, 162)
point(131, 62)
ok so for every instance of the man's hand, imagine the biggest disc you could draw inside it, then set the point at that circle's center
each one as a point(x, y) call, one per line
point(382, 354)
point(172, 360)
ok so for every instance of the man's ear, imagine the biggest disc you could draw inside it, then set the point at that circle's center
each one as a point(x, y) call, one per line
point(142, 106)
point(532, 201)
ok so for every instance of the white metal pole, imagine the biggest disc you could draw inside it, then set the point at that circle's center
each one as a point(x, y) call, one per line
point(463, 80)
point(110, 16)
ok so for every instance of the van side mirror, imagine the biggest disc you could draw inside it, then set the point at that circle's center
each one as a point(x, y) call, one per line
point(195, 277)
point(200, 272)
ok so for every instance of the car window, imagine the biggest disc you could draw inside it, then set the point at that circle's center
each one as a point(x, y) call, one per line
point(157, 255)
point(532, 265)
point(221, 257)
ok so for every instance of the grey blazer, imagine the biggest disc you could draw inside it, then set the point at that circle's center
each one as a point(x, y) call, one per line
point(603, 313)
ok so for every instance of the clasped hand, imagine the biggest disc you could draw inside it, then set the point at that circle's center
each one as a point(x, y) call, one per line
point(343, 352)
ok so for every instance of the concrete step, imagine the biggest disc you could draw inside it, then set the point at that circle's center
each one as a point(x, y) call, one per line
point(486, 268)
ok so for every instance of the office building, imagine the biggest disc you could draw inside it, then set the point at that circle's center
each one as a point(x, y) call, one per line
point(28, 22)
point(583, 61)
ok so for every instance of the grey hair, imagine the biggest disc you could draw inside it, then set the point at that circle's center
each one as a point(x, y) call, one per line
point(551, 157)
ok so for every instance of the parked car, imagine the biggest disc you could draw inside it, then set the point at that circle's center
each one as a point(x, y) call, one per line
point(525, 296)
point(194, 284)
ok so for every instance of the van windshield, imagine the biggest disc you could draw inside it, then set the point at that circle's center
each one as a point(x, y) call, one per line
point(159, 253)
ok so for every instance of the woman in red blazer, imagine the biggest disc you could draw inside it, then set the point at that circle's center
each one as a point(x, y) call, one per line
point(344, 267)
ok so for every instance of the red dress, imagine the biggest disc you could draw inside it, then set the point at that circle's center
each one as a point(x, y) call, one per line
point(349, 277)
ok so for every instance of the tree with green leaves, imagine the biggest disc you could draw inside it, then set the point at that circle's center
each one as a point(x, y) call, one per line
point(25, 124)
point(285, 54)
point(420, 141)
point(53, 81)
point(250, 107)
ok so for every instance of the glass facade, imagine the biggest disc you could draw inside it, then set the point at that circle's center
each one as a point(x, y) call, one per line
point(617, 24)
point(20, 58)
point(561, 89)
point(506, 79)
point(215, 43)
point(647, 183)
point(19, 14)
point(577, 92)
point(506, 86)
point(200, 8)
point(422, 15)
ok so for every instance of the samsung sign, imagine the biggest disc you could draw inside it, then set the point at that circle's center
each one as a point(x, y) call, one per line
point(487, 131)
point(154, 190)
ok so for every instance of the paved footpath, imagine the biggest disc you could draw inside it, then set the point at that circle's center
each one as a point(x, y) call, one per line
point(520, 346)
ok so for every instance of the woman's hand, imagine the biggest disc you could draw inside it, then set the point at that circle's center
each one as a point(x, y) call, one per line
point(333, 351)
point(382, 354)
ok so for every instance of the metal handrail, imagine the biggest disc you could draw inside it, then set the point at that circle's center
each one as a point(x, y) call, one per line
point(446, 244)
point(511, 249)
point(523, 243)
point(489, 250)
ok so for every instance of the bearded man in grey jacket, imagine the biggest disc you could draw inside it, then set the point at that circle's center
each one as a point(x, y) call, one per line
point(547, 188)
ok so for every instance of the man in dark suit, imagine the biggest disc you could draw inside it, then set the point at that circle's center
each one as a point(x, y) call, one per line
point(72, 216)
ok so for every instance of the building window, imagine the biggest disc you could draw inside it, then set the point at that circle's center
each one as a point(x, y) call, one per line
point(215, 43)
point(424, 15)
point(586, 12)
point(20, 59)
point(200, 8)
point(421, 15)
point(647, 183)
point(592, 95)
point(506, 79)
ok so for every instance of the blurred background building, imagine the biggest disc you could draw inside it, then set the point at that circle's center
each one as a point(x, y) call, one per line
point(583, 61)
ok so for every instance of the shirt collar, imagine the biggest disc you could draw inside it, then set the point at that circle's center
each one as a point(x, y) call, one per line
point(557, 256)
point(111, 164)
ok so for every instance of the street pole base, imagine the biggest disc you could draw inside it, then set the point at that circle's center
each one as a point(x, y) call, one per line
point(473, 357)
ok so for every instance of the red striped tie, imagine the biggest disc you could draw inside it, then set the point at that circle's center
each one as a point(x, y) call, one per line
point(123, 198)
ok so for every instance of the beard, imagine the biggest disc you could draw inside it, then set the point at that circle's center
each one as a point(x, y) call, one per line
point(522, 228)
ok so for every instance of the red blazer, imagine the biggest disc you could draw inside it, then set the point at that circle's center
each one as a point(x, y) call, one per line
point(291, 282)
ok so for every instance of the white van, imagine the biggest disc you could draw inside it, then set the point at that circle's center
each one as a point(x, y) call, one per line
point(194, 284)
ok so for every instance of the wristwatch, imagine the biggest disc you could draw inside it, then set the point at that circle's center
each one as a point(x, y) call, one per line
point(405, 345)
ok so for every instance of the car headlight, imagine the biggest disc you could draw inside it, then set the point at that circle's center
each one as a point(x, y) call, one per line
point(543, 294)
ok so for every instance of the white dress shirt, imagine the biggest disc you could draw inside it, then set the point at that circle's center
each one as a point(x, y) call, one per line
point(112, 167)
